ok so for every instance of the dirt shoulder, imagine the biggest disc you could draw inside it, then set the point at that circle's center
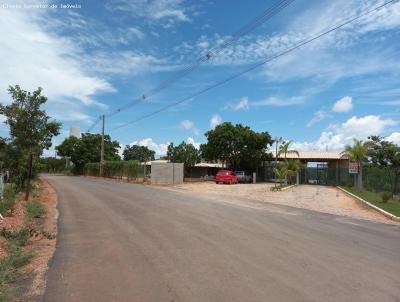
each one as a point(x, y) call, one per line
point(317, 198)
point(42, 242)
point(39, 247)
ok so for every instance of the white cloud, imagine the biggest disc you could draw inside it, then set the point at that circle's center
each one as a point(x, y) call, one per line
point(125, 62)
point(394, 138)
point(32, 57)
point(274, 101)
point(243, 104)
point(165, 12)
point(319, 116)
point(189, 125)
point(345, 104)
point(215, 121)
point(190, 140)
point(319, 60)
point(159, 149)
point(336, 137)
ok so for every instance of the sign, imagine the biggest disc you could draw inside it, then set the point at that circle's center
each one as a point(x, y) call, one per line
point(353, 168)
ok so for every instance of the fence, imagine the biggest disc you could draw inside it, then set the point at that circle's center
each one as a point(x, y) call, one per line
point(375, 179)
point(378, 179)
point(130, 170)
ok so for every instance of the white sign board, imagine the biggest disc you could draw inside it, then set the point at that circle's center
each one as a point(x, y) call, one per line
point(353, 168)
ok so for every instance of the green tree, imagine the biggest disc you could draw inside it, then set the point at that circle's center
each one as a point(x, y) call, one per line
point(31, 130)
point(140, 153)
point(237, 145)
point(285, 149)
point(293, 166)
point(184, 153)
point(386, 155)
point(87, 149)
point(357, 153)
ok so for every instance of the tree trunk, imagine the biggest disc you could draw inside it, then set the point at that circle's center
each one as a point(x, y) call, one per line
point(28, 180)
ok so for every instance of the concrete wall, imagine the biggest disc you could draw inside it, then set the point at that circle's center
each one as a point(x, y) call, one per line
point(164, 173)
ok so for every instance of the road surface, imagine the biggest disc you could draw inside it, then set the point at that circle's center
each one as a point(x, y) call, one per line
point(124, 242)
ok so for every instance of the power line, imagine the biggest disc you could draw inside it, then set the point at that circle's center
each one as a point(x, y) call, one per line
point(213, 52)
point(94, 124)
point(269, 59)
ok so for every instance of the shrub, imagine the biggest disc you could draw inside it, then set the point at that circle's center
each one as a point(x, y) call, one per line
point(11, 264)
point(10, 196)
point(385, 197)
point(35, 209)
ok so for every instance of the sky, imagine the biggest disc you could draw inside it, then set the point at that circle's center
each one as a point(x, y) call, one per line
point(93, 57)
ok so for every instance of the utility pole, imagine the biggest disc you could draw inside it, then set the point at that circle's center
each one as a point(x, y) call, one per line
point(277, 140)
point(102, 149)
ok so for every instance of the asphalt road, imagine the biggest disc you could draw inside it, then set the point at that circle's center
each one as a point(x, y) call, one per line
point(124, 242)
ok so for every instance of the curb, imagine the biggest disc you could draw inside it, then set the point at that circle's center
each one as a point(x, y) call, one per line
point(288, 187)
point(387, 214)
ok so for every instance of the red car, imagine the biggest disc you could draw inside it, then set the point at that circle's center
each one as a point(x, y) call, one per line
point(226, 177)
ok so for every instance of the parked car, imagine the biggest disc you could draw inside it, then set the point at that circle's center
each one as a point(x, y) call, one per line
point(226, 177)
point(242, 176)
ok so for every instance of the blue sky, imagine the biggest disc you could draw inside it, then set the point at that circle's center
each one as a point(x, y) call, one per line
point(101, 55)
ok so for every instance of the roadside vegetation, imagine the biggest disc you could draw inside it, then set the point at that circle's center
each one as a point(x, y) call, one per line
point(378, 180)
point(30, 132)
point(9, 199)
point(383, 200)
point(11, 266)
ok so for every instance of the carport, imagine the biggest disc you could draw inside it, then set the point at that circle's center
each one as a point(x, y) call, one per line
point(325, 168)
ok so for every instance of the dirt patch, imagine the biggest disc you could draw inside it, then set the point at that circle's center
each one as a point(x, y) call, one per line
point(14, 222)
point(317, 198)
point(42, 243)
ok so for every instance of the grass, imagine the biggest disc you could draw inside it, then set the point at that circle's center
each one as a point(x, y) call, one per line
point(392, 206)
point(10, 197)
point(10, 266)
point(35, 209)
point(280, 187)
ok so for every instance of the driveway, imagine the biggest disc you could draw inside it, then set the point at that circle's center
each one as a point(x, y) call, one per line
point(125, 242)
point(324, 199)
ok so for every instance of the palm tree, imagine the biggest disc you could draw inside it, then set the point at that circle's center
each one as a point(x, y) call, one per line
point(281, 173)
point(293, 166)
point(285, 149)
point(357, 153)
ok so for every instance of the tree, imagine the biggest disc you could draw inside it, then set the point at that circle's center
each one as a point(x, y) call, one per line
point(357, 153)
point(140, 153)
point(184, 153)
point(237, 145)
point(87, 149)
point(293, 166)
point(285, 149)
point(386, 155)
point(31, 130)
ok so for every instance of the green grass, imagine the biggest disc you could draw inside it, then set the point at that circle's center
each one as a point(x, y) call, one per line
point(10, 197)
point(392, 206)
point(10, 266)
point(35, 209)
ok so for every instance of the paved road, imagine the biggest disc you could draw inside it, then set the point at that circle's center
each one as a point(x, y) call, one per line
point(124, 242)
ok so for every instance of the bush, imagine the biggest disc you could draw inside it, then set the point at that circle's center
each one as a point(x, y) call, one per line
point(35, 209)
point(130, 169)
point(385, 197)
point(10, 196)
point(15, 259)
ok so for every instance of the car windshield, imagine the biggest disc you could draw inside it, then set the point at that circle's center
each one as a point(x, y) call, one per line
point(223, 173)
